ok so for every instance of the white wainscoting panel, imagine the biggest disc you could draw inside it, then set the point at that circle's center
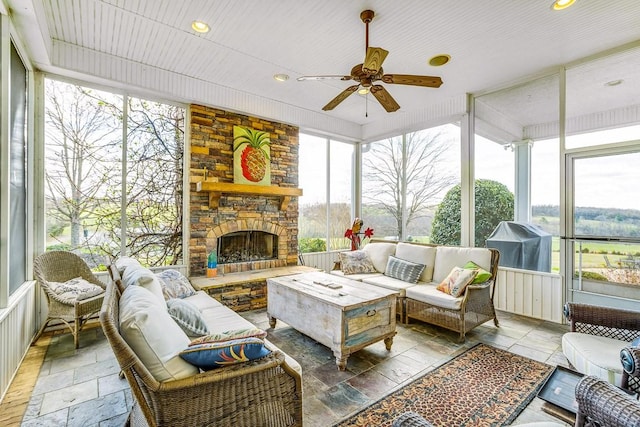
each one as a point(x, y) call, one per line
point(529, 293)
point(18, 325)
point(322, 260)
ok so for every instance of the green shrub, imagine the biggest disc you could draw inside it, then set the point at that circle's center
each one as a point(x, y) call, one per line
point(59, 247)
point(312, 244)
point(494, 203)
point(590, 275)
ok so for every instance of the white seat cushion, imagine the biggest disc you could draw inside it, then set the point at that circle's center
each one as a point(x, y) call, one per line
point(428, 293)
point(202, 300)
point(594, 355)
point(222, 319)
point(389, 283)
point(153, 335)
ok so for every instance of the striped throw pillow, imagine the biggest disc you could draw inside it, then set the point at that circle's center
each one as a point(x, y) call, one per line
point(401, 269)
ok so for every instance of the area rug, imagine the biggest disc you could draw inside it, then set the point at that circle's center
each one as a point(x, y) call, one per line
point(483, 386)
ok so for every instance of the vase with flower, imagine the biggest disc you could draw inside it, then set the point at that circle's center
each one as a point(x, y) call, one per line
point(354, 234)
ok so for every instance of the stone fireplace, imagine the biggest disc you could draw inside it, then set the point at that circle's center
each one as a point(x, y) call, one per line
point(251, 230)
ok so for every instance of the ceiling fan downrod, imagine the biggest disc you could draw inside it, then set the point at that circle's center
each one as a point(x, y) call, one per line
point(366, 16)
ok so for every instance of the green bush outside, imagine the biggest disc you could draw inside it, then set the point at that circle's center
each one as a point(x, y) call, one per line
point(494, 203)
point(312, 244)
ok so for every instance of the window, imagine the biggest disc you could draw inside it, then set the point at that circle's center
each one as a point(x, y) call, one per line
point(326, 176)
point(405, 178)
point(85, 148)
point(341, 158)
point(17, 169)
point(312, 206)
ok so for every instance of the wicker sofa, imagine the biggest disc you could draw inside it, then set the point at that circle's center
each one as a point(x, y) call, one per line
point(421, 300)
point(266, 391)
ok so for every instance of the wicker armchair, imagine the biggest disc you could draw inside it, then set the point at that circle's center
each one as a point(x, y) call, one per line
point(265, 392)
point(603, 404)
point(618, 324)
point(60, 266)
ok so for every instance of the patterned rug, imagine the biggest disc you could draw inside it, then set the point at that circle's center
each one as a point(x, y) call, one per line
point(482, 386)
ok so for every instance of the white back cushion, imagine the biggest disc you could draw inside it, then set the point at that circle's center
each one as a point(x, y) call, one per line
point(448, 257)
point(153, 335)
point(379, 253)
point(424, 255)
point(137, 275)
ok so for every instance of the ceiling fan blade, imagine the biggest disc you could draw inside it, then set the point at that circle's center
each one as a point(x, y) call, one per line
point(328, 77)
point(410, 79)
point(385, 98)
point(341, 97)
point(373, 60)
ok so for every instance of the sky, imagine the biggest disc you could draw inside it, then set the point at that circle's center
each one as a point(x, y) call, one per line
point(605, 182)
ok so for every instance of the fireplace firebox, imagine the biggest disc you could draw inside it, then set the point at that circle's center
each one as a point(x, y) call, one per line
point(247, 246)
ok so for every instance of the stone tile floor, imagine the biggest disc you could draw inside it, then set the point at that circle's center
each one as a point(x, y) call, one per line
point(82, 388)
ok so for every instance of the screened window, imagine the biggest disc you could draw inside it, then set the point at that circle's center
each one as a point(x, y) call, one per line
point(85, 152)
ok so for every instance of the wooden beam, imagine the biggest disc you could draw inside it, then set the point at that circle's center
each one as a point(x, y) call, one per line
point(216, 189)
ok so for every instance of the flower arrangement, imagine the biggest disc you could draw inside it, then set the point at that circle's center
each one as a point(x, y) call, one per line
point(354, 233)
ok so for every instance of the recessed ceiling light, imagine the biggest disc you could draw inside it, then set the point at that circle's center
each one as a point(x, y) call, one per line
point(562, 4)
point(439, 60)
point(281, 77)
point(614, 82)
point(200, 27)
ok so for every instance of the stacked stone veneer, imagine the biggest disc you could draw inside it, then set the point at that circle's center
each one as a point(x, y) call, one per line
point(212, 154)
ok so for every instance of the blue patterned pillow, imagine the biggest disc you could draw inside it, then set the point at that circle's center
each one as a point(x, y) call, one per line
point(188, 317)
point(401, 269)
point(214, 355)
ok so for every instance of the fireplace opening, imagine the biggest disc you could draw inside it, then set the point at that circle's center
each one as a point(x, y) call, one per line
point(247, 246)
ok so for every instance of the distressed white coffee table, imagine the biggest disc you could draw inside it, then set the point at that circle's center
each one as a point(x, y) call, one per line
point(343, 314)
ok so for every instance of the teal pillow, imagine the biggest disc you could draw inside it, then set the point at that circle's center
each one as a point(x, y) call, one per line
point(214, 355)
point(482, 276)
point(404, 270)
point(188, 317)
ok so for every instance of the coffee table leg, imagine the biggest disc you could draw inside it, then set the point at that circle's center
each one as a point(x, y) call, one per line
point(272, 321)
point(388, 342)
point(341, 360)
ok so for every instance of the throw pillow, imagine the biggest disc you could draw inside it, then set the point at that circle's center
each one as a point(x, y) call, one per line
point(214, 355)
point(356, 262)
point(457, 281)
point(230, 335)
point(174, 284)
point(404, 270)
point(482, 276)
point(76, 289)
point(187, 316)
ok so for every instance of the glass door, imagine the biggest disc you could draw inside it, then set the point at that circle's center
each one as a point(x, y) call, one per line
point(605, 235)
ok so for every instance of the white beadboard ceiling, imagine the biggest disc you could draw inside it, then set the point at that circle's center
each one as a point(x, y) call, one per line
point(148, 46)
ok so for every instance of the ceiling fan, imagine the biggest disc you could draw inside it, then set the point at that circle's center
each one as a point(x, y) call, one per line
point(370, 71)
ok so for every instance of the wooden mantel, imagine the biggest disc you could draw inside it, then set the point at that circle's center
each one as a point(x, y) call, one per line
point(215, 190)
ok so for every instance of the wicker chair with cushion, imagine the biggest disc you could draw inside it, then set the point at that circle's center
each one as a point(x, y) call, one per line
point(597, 341)
point(602, 404)
point(262, 392)
point(52, 270)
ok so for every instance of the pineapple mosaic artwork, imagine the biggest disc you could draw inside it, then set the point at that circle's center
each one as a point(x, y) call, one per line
point(251, 156)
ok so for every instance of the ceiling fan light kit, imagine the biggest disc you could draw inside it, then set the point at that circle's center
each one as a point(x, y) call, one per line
point(370, 72)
